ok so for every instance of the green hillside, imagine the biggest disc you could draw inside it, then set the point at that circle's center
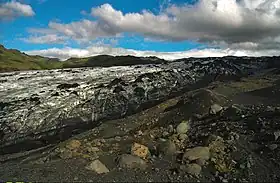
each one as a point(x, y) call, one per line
point(13, 60)
point(108, 61)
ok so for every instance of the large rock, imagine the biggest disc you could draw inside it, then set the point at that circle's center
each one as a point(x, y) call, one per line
point(131, 162)
point(167, 148)
point(203, 101)
point(197, 153)
point(98, 167)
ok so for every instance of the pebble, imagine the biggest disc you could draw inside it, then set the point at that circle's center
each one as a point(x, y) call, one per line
point(165, 134)
point(102, 140)
point(140, 133)
point(131, 162)
point(183, 128)
point(225, 181)
point(170, 128)
point(215, 108)
point(98, 167)
point(242, 166)
point(234, 136)
point(92, 149)
point(276, 134)
point(118, 138)
point(273, 146)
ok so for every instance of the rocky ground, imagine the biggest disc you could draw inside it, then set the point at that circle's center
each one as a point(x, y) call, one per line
point(224, 132)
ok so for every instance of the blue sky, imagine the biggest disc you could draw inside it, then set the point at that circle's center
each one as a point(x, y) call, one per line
point(70, 10)
point(165, 28)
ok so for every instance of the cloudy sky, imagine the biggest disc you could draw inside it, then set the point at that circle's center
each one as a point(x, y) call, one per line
point(168, 29)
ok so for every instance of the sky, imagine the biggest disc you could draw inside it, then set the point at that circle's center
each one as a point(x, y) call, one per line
point(169, 29)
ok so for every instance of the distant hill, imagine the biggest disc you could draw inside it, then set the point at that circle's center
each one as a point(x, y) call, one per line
point(108, 61)
point(14, 60)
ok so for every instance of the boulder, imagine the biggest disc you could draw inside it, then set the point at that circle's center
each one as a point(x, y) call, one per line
point(197, 153)
point(98, 167)
point(131, 162)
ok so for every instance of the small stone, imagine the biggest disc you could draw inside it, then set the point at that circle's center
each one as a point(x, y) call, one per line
point(118, 138)
point(98, 167)
point(193, 169)
point(170, 128)
point(183, 137)
point(165, 134)
point(167, 148)
point(234, 136)
point(276, 135)
point(248, 165)
point(270, 109)
point(273, 147)
point(73, 144)
point(162, 139)
point(197, 153)
point(139, 133)
point(139, 150)
point(215, 108)
point(183, 128)
point(93, 149)
point(131, 162)
point(242, 166)
point(102, 140)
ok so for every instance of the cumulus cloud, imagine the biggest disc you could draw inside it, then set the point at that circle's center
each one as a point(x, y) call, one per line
point(207, 20)
point(249, 25)
point(13, 9)
point(65, 53)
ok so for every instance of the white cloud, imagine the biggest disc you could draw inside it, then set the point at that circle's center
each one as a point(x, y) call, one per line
point(250, 25)
point(65, 53)
point(13, 9)
point(50, 39)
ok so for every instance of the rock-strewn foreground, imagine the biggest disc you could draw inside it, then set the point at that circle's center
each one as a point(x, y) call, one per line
point(194, 119)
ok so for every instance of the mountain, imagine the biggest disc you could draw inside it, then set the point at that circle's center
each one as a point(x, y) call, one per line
point(14, 60)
